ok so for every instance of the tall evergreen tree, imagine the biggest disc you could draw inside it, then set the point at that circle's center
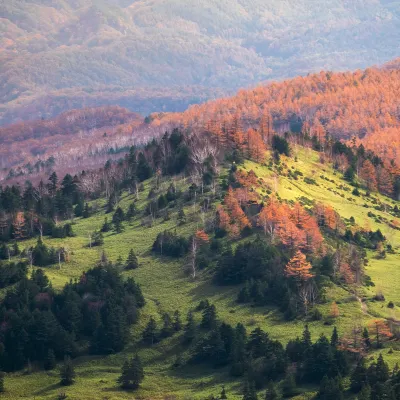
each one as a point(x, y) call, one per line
point(132, 261)
point(67, 372)
point(334, 337)
point(190, 328)
point(132, 374)
point(249, 391)
point(271, 393)
point(150, 332)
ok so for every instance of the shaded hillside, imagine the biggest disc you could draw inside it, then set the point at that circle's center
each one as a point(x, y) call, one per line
point(69, 140)
point(189, 51)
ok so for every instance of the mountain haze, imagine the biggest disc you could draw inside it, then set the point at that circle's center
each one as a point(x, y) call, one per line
point(163, 55)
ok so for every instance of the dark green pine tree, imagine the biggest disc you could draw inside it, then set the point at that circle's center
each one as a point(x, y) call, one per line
point(181, 216)
point(118, 228)
point(365, 393)
point(168, 327)
point(330, 389)
point(239, 351)
point(86, 211)
point(289, 388)
point(132, 374)
point(209, 317)
point(223, 395)
point(177, 321)
point(306, 339)
point(40, 254)
point(106, 226)
point(249, 391)
point(144, 170)
point(367, 340)
point(190, 329)
point(2, 378)
point(67, 372)
point(359, 377)
point(131, 212)
point(271, 393)
point(79, 208)
point(382, 370)
point(150, 332)
point(3, 252)
point(132, 261)
point(119, 215)
point(50, 360)
point(334, 337)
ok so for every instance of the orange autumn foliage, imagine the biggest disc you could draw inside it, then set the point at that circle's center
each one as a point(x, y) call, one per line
point(368, 175)
point(202, 236)
point(298, 267)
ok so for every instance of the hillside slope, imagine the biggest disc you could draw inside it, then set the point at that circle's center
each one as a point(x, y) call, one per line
point(167, 286)
point(152, 55)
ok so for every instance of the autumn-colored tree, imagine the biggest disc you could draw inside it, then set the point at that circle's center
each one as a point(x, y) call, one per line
point(381, 331)
point(334, 310)
point(19, 229)
point(299, 268)
point(223, 219)
point(368, 175)
point(291, 236)
point(271, 218)
point(313, 236)
point(299, 216)
point(256, 146)
point(202, 236)
point(237, 214)
point(385, 181)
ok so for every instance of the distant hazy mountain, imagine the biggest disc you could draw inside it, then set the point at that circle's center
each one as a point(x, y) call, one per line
point(153, 55)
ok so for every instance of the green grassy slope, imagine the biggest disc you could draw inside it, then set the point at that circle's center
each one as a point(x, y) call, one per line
point(167, 287)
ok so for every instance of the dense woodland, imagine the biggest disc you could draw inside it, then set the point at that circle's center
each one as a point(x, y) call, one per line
point(286, 263)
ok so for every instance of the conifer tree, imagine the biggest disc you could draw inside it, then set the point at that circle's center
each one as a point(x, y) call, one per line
point(223, 395)
point(359, 377)
point(150, 332)
point(177, 321)
point(50, 361)
point(132, 374)
point(106, 226)
point(132, 261)
point(334, 337)
point(209, 318)
point(249, 392)
point(67, 372)
point(271, 393)
point(2, 379)
point(365, 393)
point(190, 328)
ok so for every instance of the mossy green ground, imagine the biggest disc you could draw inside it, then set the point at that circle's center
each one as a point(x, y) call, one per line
point(167, 287)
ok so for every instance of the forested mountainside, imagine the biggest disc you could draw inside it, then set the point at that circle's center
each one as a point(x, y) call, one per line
point(242, 265)
point(360, 106)
point(163, 55)
point(72, 141)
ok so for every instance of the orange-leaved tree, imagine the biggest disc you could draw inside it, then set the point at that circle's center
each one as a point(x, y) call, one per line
point(299, 268)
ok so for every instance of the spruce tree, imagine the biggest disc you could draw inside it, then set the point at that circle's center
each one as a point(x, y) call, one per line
point(118, 228)
point(367, 340)
point(150, 332)
point(209, 317)
point(50, 361)
point(190, 329)
point(106, 226)
point(365, 393)
point(289, 386)
point(168, 328)
point(181, 216)
point(359, 377)
point(132, 261)
point(271, 393)
point(334, 337)
point(86, 211)
point(131, 211)
point(223, 395)
point(67, 372)
point(2, 378)
point(382, 370)
point(249, 392)
point(132, 374)
point(177, 321)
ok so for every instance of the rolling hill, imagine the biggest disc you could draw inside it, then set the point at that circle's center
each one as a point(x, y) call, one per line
point(163, 55)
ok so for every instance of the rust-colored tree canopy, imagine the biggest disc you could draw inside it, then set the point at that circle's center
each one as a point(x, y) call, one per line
point(360, 104)
point(298, 267)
